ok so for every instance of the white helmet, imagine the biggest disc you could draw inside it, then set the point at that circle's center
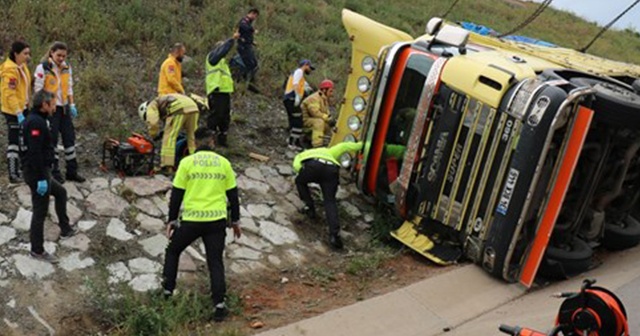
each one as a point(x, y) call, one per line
point(142, 111)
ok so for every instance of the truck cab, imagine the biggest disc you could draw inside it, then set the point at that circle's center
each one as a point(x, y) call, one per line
point(480, 148)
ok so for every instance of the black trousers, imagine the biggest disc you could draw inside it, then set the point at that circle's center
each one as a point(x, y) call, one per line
point(250, 61)
point(213, 235)
point(13, 145)
point(294, 115)
point(328, 177)
point(62, 124)
point(41, 208)
point(220, 112)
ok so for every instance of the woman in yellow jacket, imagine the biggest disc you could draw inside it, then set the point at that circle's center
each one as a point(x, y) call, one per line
point(15, 91)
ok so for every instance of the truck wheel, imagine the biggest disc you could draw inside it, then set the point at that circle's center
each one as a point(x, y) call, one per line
point(621, 235)
point(614, 104)
point(561, 262)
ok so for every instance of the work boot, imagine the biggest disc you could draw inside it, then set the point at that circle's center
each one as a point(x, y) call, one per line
point(75, 177)
point(68, 234)
point(222, 140)
point(220, 313)
point(309, 212)
point(336, 242)
point(58, 177)
point(45, 256)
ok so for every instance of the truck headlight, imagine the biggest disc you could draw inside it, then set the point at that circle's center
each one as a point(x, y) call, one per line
point(359, 104)
point(354, 123)
point(364, 84)
point(349, 138)
point(345, 160)
point(368, 64)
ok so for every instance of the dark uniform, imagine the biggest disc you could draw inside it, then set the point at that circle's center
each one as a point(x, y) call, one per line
point(204, 181)
point(36, 165)
point(245, 47)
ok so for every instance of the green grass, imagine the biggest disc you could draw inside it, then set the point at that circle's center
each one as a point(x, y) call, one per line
point(117, 47)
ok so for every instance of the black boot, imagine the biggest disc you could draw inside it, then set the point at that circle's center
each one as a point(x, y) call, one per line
point(336, 242)
point(74, 176)
point(222, 140)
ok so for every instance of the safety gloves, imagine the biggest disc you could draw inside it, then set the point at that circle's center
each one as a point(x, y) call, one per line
point(73, 110)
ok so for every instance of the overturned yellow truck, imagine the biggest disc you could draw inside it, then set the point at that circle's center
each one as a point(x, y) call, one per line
point(518, 157)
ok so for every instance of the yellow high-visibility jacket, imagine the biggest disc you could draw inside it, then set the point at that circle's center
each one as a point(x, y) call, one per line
point(165, 106)
point(15, 88)
point(316, 106)
point(170, 80)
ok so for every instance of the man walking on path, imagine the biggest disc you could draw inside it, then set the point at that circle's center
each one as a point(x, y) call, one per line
point(204, 183)
point(178, 112)
point(320, 165)
point(37, 164)
point(246, 44)
point(293, 93)
point(219, 86)
point(170, 80)
point(316, 115)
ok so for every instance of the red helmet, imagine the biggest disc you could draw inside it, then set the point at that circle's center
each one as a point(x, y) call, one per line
point(326, 84)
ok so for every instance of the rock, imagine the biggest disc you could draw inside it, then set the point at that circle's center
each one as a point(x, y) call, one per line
point(24, 195)
point(86, 225)
point(194, 253)
point(279, 184)
point(6, 234)
point(150, 224)
point(250, 240)
point(285, 170)
point(274, 260)
point(78, 242)
point(107, 204)
point(295, 200)
point(285, 207)
point(342, 193)
point(147, 206)
point(12, 304)
point(362, 226)
point(49, 246)
point(3, 218)
point(51, 230)
point(73, 262)
point(254, 174)
point(259, 210)
point(268, 171)
point(277, 234)
point(98, 183)
point(32, 268)
point(144, 265)
point(350, 209)
point(247, 184)
point(22, 221)
point(243, 253)
point(282, 219)
point(284, 280)
point(72, 191)
point(116, 182)
point(73, 213)
point(186, 264)
point(142, 186)
point(368, 218)
point(145, 283)
point(245, 266)
point(295, 256)
point(155, 245)
point(162, 205)
point(248, 224)
point(118, 272)
point(161, 178)
point(118, 230)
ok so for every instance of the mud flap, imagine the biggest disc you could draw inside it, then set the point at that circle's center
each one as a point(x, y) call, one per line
point(439, 254)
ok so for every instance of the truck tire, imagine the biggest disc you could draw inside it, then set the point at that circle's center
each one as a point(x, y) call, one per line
point(615, 105)
point(621, 236)
point(569, 260)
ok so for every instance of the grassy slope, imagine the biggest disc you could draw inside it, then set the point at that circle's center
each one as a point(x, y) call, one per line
point(117, 46)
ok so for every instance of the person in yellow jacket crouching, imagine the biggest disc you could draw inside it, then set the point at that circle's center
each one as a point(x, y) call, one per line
point(316, 115)
point(178, 112)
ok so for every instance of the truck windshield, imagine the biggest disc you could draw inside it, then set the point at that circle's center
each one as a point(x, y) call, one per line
point(403, 113)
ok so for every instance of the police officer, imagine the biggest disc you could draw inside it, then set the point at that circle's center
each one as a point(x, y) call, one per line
point(55, 75)
point(170, 79)
point(246, 44)
point(203, 184)
point(219, 85)
point(293, 93)
point(320, 165)
point(178, 112)
point(36, 163)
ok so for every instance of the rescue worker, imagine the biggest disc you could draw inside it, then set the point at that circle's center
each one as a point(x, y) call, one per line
point(37, 162)
point(316, 115)
point(15, 91)
point(178, 112)
point(293, 94)
point(246, 44)
point(219, 86)
point(204, 183)
point(320, 165)
point(170, 79)
point(55, 75)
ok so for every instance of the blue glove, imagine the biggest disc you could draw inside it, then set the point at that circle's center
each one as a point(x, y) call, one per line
point(20, 118)
point(73, 110)
point(43, 186)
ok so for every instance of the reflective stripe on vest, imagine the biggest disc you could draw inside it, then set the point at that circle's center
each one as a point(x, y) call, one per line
point(219, 77)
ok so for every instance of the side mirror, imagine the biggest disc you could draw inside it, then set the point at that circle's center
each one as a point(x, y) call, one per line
point(434, 25)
